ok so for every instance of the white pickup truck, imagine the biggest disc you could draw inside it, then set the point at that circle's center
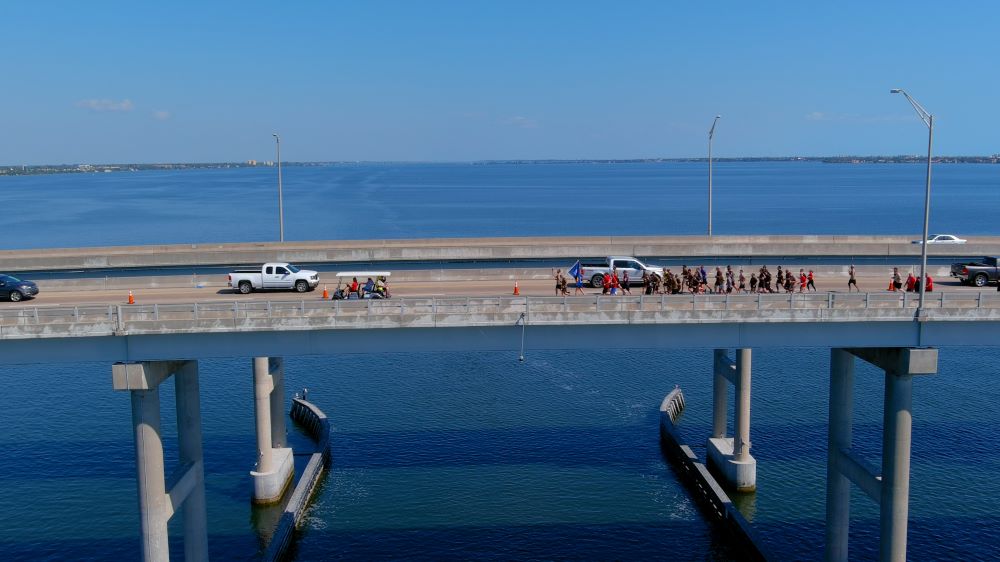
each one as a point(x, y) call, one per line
point(274, 276)
point(596, 270)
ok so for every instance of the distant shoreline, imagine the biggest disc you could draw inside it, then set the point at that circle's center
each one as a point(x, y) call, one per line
point(108, 168)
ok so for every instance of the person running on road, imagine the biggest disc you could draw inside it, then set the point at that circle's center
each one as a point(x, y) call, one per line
point(802, 280)
point(852, 280)
point(625, 282)
point(810, 284)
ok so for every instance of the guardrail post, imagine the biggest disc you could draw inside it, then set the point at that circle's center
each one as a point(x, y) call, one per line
point(36, 315)
point(758, 302)
point(76, 311)
point(269, 310)
point(302, 306)
point(727, 301)
point(195, 311)
point(119, 322)
point(904, 300)
point(236, 311)
point(156, 311)
point(979, 300)
point(867, 300)
point(111, 313)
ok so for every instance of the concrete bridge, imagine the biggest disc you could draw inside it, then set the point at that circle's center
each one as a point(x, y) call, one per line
point(148, 344)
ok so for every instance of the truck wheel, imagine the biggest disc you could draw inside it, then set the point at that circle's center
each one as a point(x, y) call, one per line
point(301, 286)
point(245, 287)
point(981, 280)
point(597, 280)
point(15, 296)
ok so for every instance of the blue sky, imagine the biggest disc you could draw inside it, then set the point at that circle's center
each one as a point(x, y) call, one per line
point(469, 80)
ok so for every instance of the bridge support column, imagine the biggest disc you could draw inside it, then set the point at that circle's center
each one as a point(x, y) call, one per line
point(160, 497)
point(891, 489)
point(731, 456)
point(838, 487)
point(275, 465)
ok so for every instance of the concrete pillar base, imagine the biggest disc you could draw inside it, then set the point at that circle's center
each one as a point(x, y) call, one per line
point(269, 487)
point(740, 475)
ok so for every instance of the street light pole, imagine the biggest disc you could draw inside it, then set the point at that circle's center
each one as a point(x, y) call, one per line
point(711, 133)
point(281, 204)
point(928, 120)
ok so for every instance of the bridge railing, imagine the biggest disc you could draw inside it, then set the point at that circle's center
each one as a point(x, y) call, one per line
point(444, 311)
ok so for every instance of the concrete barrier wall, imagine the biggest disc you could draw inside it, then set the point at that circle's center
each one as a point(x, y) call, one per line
point(700, 481)
point(315, 423)
point(465, 249)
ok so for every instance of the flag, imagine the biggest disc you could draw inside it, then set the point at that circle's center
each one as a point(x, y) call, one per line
point(574, 271)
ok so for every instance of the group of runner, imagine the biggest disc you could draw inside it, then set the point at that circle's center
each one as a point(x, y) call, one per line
point(697, 281)
point(912, 284)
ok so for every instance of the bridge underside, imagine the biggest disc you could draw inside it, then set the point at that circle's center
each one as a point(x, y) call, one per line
point(288, 343)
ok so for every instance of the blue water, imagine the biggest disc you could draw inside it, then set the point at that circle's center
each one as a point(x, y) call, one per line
point(448, 200)
point(475, 455)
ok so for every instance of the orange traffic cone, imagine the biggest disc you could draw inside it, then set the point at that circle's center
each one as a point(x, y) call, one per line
point(326, 294)
point(131, 299)
point(516, 290)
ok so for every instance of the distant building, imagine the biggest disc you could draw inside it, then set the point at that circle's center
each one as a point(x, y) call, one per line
point(251, 162)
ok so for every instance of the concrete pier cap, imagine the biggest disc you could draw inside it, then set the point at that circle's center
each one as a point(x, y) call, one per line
point(900, 361)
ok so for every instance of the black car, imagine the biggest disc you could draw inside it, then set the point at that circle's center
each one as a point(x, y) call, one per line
point(16, 289)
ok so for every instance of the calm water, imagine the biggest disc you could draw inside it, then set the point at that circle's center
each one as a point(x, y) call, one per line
point(435, 200)
point(475, 455)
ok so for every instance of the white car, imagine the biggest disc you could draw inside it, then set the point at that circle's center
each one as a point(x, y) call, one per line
point(942, 239)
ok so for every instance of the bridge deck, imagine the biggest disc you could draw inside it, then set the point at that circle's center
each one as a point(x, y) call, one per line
point(246, 328)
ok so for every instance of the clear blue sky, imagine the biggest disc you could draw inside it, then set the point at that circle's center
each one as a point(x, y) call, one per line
point(467, 80)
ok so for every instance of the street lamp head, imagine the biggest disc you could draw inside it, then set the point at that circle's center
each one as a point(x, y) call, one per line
point(896, 91)
point(718, 117)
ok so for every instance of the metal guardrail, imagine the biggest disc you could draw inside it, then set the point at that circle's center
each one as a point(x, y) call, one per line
point(452, 311)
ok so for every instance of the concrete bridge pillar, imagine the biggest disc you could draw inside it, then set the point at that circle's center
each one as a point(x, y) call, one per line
point(275, 465)
point(890, 488)
point(160, 496)
point(731, 456)
point(720, 390)
point(149, 475)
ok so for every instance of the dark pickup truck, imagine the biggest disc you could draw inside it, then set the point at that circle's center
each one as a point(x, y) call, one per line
point(977, 273)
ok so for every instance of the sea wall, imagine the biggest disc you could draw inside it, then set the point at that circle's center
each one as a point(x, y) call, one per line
point(700, 481)
point(315, 423)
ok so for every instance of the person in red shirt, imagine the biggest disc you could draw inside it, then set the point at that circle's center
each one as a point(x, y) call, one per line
point(930, 284)
point(811, 285)
point(615, 282)
point(802, 280)
point(354, 287)
point(911, 283)
point(607, 284)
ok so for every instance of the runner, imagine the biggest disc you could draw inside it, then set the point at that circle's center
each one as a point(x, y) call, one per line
point(852, 280)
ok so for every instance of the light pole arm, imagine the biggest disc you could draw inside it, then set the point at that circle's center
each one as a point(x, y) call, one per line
point(924, 115)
